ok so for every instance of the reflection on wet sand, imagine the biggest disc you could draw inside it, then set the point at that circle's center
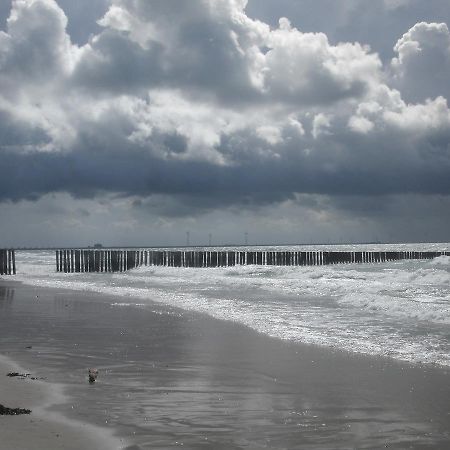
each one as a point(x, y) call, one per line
point(6, 296)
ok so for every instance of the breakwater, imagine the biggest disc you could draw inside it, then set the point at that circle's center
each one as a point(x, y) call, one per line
point(70, 260)
point(74, 260)
point(7, 262)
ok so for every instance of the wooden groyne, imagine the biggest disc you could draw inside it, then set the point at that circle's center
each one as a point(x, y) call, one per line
point(7, 262)
point(71, 260)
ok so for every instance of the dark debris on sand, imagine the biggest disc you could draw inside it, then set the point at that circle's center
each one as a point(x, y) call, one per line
point(4, 411)
point(22, 376)
point(17, 374)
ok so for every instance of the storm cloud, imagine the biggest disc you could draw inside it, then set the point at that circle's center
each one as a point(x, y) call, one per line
point(207, 106)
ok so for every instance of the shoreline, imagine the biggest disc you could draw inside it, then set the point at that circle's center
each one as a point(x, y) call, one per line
point(43, 429)
point(199, 376)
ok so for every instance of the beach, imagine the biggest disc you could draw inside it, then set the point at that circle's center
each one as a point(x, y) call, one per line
point(170, 377)
point(42, 429)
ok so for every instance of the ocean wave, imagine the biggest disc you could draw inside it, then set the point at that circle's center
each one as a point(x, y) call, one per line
point(398, 309)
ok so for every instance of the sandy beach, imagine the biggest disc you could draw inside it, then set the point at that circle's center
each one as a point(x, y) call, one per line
point(169, 378)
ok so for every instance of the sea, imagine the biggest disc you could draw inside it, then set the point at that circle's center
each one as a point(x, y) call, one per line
point(398, 309)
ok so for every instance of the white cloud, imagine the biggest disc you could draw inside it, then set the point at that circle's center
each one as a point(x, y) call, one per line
point(295, 124)
point(360, 124)
point(37, 47)
point(422, 118)
point(270, 134)
point(422, 67)
point(321, 125)
point(306, 68)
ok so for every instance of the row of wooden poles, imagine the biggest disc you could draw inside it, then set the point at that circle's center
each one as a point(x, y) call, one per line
point(7, 262)
point(70, 260)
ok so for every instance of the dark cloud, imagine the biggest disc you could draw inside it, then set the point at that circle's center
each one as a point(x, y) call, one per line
point(5, 8)
point(17, 134)
point(82, 17)
point(118, 166)
point(179, 47)
point(114, 65)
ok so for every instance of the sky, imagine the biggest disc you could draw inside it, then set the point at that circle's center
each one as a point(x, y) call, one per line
point(133, 122)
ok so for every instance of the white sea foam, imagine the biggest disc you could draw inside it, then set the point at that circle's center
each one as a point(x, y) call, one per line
point(399, 309)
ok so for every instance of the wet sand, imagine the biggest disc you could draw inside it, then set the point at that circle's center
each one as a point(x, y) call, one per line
point(42, 429)
point(170, 378)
